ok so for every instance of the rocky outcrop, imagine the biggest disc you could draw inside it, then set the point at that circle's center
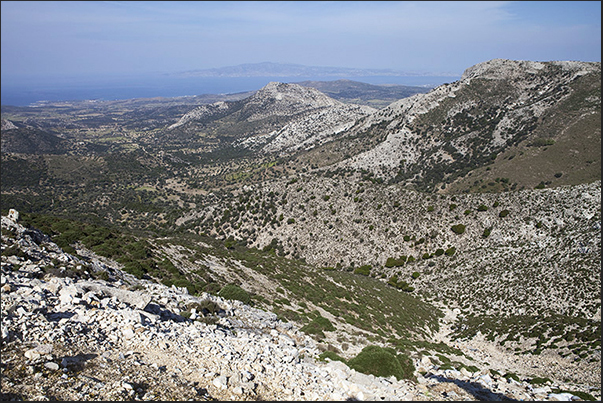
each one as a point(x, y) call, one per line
point(7, 125)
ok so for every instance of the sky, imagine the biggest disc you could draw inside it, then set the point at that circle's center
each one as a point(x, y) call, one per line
point(49, 38)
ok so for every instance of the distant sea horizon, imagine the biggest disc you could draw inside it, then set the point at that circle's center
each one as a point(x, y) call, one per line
point(27, 92)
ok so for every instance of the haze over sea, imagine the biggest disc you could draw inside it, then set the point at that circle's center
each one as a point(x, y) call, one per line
point(27, 91)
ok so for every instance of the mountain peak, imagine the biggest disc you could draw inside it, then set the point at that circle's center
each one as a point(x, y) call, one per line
point(503, 68)
point(288, 95)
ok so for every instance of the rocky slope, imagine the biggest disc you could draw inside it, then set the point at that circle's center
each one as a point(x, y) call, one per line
point(29, 140)
point(523, 267)
point(67, 334)
point(278, 117)
point(436, 138)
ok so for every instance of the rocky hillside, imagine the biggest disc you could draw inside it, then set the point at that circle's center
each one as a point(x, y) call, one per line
point(29, 140)
point(499, 110)
point(82, 329)
point(278, 117)
point(522, 267)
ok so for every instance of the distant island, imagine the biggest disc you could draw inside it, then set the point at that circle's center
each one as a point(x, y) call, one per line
point(268, 69)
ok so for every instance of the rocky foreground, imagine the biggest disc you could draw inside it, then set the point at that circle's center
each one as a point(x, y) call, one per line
point(69, 334)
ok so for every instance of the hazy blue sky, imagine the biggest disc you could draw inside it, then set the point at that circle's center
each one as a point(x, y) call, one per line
point(108, 37)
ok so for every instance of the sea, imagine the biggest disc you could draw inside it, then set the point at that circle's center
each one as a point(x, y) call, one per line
point(27, 92)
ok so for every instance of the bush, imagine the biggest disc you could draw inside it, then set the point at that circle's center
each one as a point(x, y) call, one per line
point(486, 232)
point(539, 381)
point(205, 307)
point(233, 291)
point(382, 362)
point(458, 228)
point(541, 142)
point(439, 252)
point(450, 251)
point(400, 284)
point(390, 262)
point(503, 213)
point(364, 270)
point(317, 326)
point(416, 275)
point(212, 288)
point(482, 207)
point(330, 355)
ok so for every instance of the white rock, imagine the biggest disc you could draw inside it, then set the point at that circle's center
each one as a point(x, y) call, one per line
point(561, 397)
point(52, 366)
point(221, 382)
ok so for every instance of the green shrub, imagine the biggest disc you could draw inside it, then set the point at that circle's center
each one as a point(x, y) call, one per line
point(317, 326)
point(14, 250)
point(541, 142)
point(458, 228)
point(290, 220)
point(503, 213)
point(135, 268)
point(400, 284)
point(205, 307)
point(450, 251)
point(416, 275)
point(101, 275)
point(212, 288)
point(439, 252)
point(390, 262)
point(482, 207)
point(512, 376)
point(540, 185)
point(363, 270)
point(233, 291)
point(539, 381)
point(330, 355)
point(382, 362)
point(486, 232)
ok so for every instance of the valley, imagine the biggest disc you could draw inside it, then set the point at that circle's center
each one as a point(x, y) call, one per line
point(459, 227)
